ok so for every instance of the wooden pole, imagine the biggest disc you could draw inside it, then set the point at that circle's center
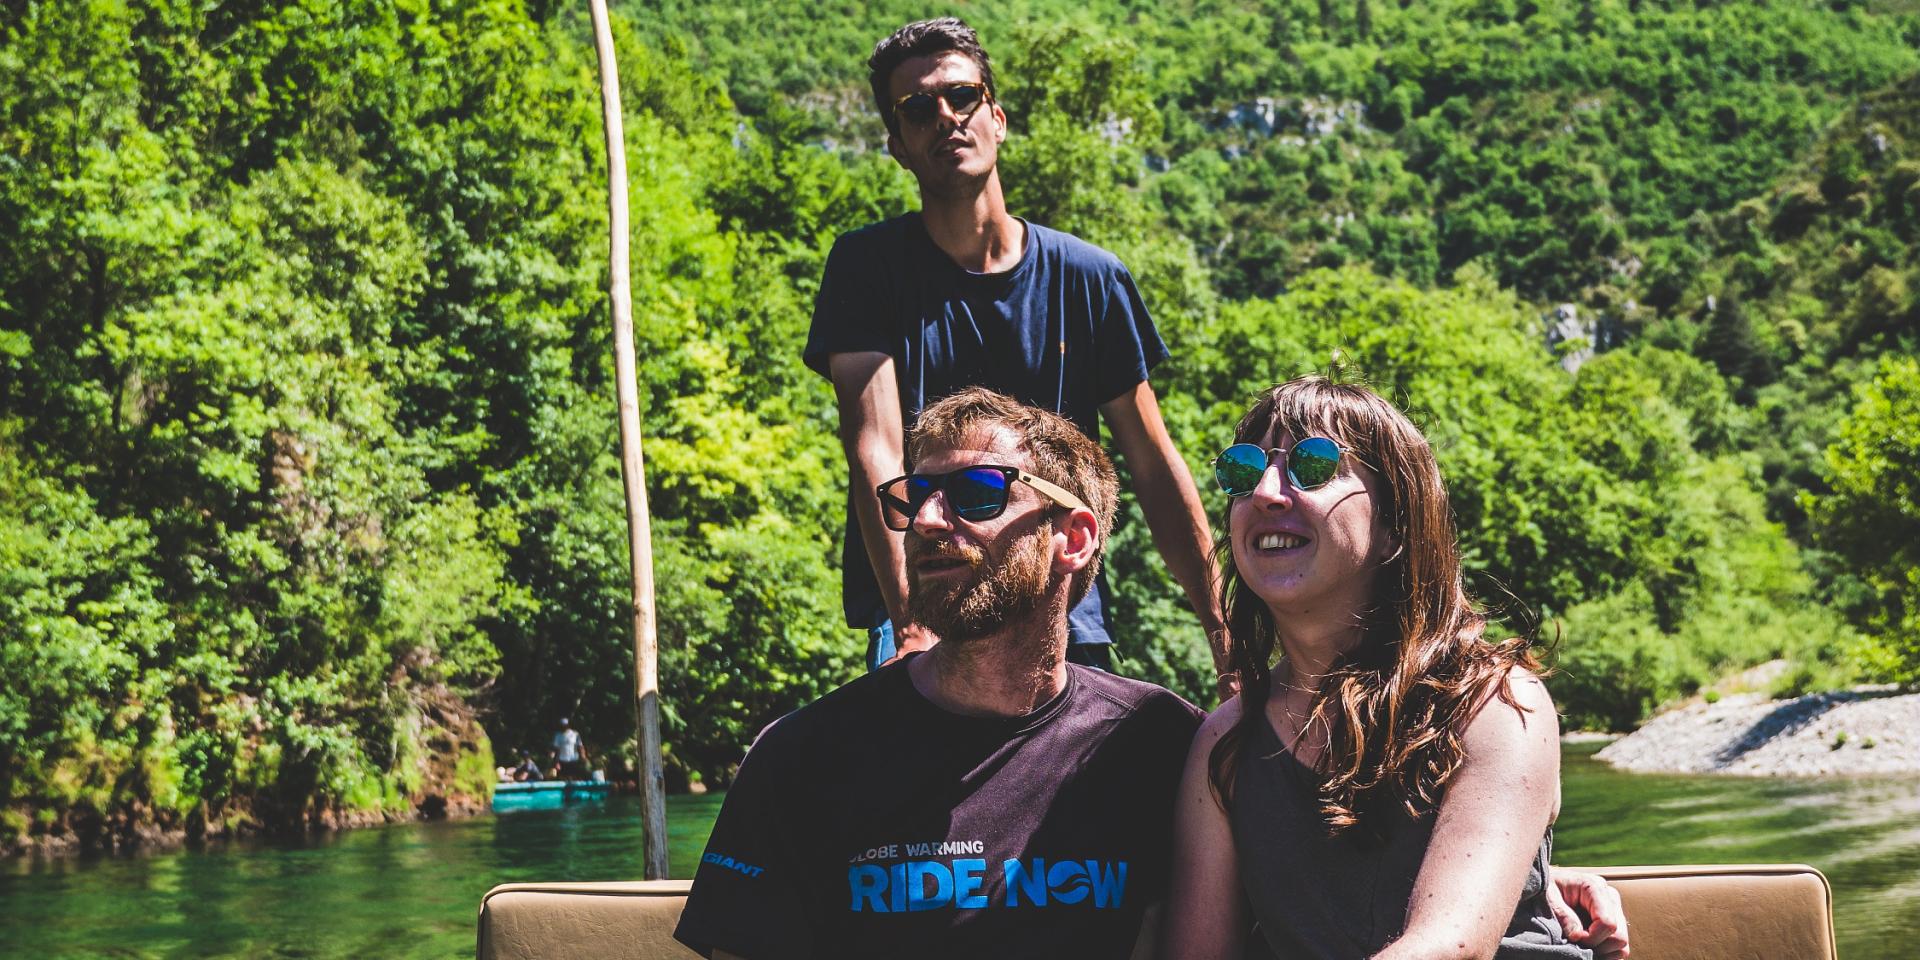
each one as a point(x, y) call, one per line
point(646, 673)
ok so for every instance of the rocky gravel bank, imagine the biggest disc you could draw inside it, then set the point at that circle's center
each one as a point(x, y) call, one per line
point(1856, 732)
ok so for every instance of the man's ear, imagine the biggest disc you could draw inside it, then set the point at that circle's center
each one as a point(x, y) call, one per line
point(1076, 541)
point(893, 148)
point(999, 122)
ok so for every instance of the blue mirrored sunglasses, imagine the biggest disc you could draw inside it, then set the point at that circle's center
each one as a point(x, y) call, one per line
point(1309, 465)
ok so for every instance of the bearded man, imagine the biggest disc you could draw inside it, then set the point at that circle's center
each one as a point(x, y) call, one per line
point(998, 800)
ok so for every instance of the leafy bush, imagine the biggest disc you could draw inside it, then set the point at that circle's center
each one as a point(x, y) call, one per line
point(1872, 515)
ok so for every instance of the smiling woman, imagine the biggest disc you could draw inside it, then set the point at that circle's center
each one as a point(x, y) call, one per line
point(1385, 781)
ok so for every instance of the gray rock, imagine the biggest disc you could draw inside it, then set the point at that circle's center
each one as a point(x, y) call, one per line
point(1854, 732)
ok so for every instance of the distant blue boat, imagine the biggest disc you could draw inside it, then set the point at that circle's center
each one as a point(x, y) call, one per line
point(547, 794)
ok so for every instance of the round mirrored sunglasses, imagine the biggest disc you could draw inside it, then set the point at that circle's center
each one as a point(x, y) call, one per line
point(1309, 465)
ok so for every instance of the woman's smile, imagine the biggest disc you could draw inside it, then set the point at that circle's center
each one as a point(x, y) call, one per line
point(1279, 542)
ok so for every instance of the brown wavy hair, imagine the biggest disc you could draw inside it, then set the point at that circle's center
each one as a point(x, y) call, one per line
point(1395, 706)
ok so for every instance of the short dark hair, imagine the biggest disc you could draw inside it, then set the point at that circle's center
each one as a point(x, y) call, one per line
point(1060, 453)
point(923, 38)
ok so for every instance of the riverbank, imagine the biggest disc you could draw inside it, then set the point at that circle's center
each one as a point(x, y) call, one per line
point(446, 773)
point(1861, 732)
point(139, 829)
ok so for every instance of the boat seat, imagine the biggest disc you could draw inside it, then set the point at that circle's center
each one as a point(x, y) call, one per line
point(1721, 912)
point(1779, 912)
point(583, 921)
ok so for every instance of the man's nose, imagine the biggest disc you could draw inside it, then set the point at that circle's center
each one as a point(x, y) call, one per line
point(932, 514)
point(947, 117)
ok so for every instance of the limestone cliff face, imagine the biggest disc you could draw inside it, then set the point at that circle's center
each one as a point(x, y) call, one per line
point(456, 768)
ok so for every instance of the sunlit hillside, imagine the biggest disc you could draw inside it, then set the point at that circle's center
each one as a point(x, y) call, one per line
point(309, 503)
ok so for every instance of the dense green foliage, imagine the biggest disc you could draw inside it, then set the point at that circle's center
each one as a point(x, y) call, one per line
point(1613, 157)
point(1564, 144)
point(306, 425)
point(1872, 515)
point(305, 361)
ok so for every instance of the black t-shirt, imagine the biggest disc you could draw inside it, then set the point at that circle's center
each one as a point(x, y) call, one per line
point(871, 823)
point(1065, 330)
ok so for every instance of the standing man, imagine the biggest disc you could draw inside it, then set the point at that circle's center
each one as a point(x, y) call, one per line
point(961, 293)
point(568, 756)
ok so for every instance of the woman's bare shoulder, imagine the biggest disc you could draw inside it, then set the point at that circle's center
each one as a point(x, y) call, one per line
point(1223, 718)
point(1530, 714)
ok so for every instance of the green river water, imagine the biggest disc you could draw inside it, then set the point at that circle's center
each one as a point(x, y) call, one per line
point(413, 890)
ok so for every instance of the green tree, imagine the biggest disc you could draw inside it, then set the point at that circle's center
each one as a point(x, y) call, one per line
point(1872, 515)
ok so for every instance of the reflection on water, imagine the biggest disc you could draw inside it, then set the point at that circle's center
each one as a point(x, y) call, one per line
point(1864, 834)
point(413, 890)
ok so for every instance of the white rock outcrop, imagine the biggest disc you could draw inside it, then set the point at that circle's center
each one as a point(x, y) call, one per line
point(1857, 732)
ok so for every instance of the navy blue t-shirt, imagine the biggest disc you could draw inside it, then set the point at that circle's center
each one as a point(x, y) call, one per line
point(1065, 329)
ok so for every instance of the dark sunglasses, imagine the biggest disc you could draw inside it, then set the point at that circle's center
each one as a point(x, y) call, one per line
point(921, 108)
point(1310, 465)
point(976, 494)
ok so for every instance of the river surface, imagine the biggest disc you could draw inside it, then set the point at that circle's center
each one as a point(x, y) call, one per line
point(413, 890)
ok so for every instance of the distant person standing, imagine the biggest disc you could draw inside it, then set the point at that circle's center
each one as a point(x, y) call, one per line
point(963, 294)
point(569, 756)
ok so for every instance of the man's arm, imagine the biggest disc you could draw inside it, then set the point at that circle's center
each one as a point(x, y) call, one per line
point(755, 888)
point(1167, 496)
point(874, 440)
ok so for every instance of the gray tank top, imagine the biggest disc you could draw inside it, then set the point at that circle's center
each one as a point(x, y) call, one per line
point(1346, 897)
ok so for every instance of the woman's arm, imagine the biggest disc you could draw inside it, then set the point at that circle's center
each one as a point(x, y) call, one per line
point(1206, 914)
point(1496, 810)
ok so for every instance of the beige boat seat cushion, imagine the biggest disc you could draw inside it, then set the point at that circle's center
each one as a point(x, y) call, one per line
point(1779, 912)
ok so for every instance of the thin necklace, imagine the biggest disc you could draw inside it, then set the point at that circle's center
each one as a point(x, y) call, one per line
point(1299, 723)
